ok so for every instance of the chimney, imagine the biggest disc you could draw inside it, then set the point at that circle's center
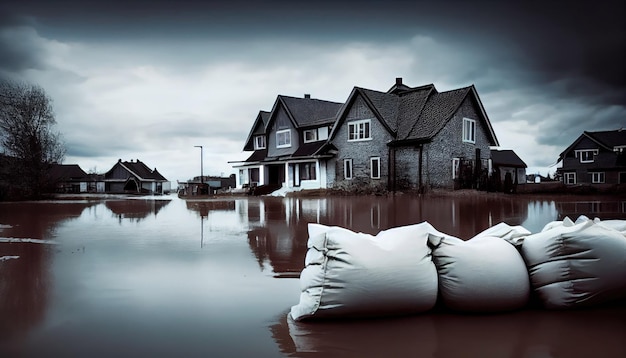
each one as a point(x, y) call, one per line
point(307, 96)
point(398, 81)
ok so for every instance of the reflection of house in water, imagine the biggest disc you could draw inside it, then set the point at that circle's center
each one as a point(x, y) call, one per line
point(135, 210)
point(203, 207)
point(278, 230)
point(592, 208)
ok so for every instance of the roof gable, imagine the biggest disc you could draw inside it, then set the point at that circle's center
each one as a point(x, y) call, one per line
point(303, 112)
point(383, 105)
point(258, 128)
point(139, 170)
point(604, 139)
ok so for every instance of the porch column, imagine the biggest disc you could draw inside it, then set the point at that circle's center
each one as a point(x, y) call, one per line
point(286, 183)
point(262, 174)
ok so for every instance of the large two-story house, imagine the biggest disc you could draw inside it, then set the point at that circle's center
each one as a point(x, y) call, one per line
point(404, 138)
point(595, 158)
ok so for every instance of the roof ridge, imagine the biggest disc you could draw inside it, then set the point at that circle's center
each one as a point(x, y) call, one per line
point(408, 133)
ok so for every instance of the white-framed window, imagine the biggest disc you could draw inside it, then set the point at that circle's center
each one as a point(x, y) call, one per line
point(619, 149)
point(570, 178)
point(347, 168)
point(586, 155)
point(455, 167)
point(375, 167)
point(322, 133)
point(310, 135)
point(359, 130)
point(259, 142)
point(597, 177)
point(469, 130)
point(283, 138)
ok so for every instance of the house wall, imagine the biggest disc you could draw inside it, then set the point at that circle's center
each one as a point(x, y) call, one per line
point(407, 167)
point(448, 144)
point(361, 151)
point(281, 122)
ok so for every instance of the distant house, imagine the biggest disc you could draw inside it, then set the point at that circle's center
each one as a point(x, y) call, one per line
point(134, 177)
point(508, 168)
point(68, 178)
point(595, 158)
point(405, 138)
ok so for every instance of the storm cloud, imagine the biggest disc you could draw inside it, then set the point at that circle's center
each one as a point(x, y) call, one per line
point(151, 79)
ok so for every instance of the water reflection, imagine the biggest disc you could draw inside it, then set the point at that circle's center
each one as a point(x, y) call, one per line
point(135, 210)
point(25, 281)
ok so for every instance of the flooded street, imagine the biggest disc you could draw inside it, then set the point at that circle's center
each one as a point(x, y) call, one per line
point(166, 277)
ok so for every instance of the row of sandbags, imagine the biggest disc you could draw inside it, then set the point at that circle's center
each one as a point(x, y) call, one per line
point(403, 270)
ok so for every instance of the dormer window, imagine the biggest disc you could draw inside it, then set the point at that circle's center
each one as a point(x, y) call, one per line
point(259, 142)
point(310, 135)
point(586, 155)
point(283, 138)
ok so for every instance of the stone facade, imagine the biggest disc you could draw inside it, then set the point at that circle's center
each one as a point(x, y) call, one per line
point(362, 151)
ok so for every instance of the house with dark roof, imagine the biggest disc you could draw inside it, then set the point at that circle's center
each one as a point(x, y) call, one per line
point(134, 177)
point(68, 178)
point(404, 138)
point(595, 158)
point(290, 144)
point(508, 168)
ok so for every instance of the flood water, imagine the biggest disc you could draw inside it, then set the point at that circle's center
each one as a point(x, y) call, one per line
point(166, 277)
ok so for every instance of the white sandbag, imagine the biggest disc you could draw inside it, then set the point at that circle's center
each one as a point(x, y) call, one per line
point(566, 222)
point(579, 265)
point(513, 234)
point(350, 274)
point(484, 274)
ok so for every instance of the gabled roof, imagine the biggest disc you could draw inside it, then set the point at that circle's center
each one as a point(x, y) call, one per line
point(141, 170)
point(610, 139)
point(605, 139)
point(257, 156)
point(415, 114)
point(305, 111)
point(258, 128)
point(506, 158)
point(66, 172)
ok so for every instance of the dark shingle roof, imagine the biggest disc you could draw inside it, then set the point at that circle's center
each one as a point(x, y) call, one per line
point(257, 156)
point(411, 106)
point(506, 158)
point(306, 111)
point(385, 104)
point(436, 112)
point(66, 172)
point(143, 171)
point(610, 139)
point(308, 149)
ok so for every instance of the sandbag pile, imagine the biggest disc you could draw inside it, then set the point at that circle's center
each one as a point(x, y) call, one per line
point(404, 270)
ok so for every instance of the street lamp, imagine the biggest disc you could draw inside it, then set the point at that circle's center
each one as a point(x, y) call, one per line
point(201, 160)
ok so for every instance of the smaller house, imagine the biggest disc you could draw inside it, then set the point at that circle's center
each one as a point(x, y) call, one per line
point(595, 158)
point(508, 169)
point(134, 177)
point(68, 178)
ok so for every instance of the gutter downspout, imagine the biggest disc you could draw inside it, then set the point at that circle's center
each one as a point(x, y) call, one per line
point(420, 188)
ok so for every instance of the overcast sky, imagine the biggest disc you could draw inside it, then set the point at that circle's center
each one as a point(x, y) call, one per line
point(149, 80)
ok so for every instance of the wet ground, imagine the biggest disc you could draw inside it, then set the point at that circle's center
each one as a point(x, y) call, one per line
point(167, 277)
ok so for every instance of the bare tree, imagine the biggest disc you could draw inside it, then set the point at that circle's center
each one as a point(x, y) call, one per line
point(27, 136)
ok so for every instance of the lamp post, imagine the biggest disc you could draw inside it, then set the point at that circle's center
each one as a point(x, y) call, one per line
point(201, 160)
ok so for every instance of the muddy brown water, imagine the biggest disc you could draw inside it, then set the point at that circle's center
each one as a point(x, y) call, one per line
point(166, 277)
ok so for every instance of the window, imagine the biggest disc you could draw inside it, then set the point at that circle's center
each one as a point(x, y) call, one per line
point(455, 167)
point(469, 130)
point(307, 171)
point(375, 167)
point(347, 168)
point(570, 178)
point(586, 155)
point(283, 138)
point(597, 177)
point(310, 135)
point(359, 130)
point(259, 142)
